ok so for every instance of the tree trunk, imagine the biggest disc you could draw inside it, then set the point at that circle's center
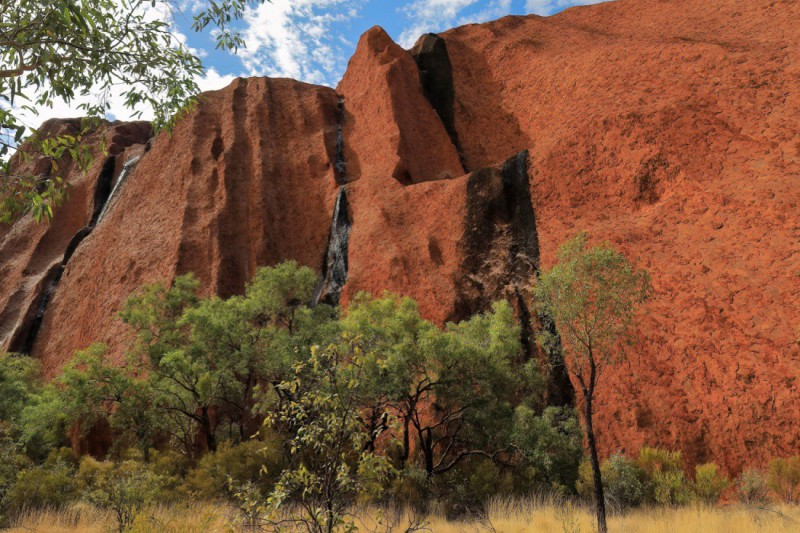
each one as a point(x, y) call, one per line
point(211, 440)
point(406, 443)
point(599, 497)
point(427, 448)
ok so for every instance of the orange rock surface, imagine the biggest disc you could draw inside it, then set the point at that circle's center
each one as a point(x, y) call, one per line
point(670, 128)
point(246, 180)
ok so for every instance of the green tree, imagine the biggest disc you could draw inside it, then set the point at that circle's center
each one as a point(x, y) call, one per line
point(592, 294)
point(202, 360)
point(451, 391)
point(31, 413)
point(65, 49)
point(329, 465)
point(95, 389)
point(19, 379)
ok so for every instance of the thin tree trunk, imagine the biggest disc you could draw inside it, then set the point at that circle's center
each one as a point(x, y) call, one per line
point(599, 497)
point(211, 440)
point(427, 448)
point(406, 443)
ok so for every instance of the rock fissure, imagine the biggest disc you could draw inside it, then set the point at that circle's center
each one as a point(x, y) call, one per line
point(339, 166)
point(436, 76)
point(127, 170)
point(25, 336)
point(333, 274)
point(334, 267)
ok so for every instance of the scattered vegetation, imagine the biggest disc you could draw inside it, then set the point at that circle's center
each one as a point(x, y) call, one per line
point(592, 295)
point(262, 411)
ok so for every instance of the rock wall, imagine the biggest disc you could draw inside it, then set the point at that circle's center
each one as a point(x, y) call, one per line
point(451, 171)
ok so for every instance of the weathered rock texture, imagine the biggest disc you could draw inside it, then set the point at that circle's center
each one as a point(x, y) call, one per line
point(33, 256)
point(246, 180)
point(668, 127)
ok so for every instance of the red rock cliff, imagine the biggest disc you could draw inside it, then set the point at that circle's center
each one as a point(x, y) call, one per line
point(668, 127)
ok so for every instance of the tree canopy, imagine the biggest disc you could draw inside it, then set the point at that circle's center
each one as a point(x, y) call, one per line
point(67, 49)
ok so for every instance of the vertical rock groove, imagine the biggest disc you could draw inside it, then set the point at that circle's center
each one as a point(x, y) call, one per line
point(334, 265)
point(436, 76)
point(501, 256)
point(334, 268)
point(25, 336)
point(103, 203)
point(339, 166)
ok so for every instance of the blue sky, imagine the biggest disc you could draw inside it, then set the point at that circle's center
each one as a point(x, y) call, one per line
point(312, 40)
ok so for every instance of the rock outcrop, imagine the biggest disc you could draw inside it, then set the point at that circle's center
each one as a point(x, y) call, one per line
point(452, 172)
point(33, 256)
point(248, 179)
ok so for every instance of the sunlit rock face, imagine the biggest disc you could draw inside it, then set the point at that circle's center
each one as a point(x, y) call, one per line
point(452, 172)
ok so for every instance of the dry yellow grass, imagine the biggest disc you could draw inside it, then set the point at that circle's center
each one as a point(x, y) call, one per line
point(531, 516)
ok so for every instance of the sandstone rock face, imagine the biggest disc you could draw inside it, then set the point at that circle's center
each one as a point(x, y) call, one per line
point(246, 180)
point(390, 128)
point(668, 128)
point(34, 255)
point(448, 173)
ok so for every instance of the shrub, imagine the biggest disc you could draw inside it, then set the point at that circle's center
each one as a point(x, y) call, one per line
point(709, 483)
point(552, 444)
point(625, 483)
point(783, 477)
point(667, 483)
point(464, 490)
point(752, 487)
point(253, 461)
point(123, 488)
point(11, 463)
point(51, 485)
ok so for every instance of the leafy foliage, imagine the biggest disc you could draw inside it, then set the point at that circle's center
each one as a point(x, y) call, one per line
point(66, 49)
point(592, 294)
point(328, 465)
point(709, 483)
point(552, 444)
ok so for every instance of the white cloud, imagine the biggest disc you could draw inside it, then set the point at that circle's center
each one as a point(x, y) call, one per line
point(212, 80)
point(548, 7)
point(438, 15)
point(294, 39)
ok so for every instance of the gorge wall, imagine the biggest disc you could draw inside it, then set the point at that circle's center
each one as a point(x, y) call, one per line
point(453, 171)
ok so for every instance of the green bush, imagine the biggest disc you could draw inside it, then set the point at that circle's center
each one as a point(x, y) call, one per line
point(51, 485)
point(667, 483)
point(465, 489)
point(625, 483)
point(123, 488)
point(752, 487)
point(239, 464)
point(709, 483)
point(783, 477)
point(552, 444)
